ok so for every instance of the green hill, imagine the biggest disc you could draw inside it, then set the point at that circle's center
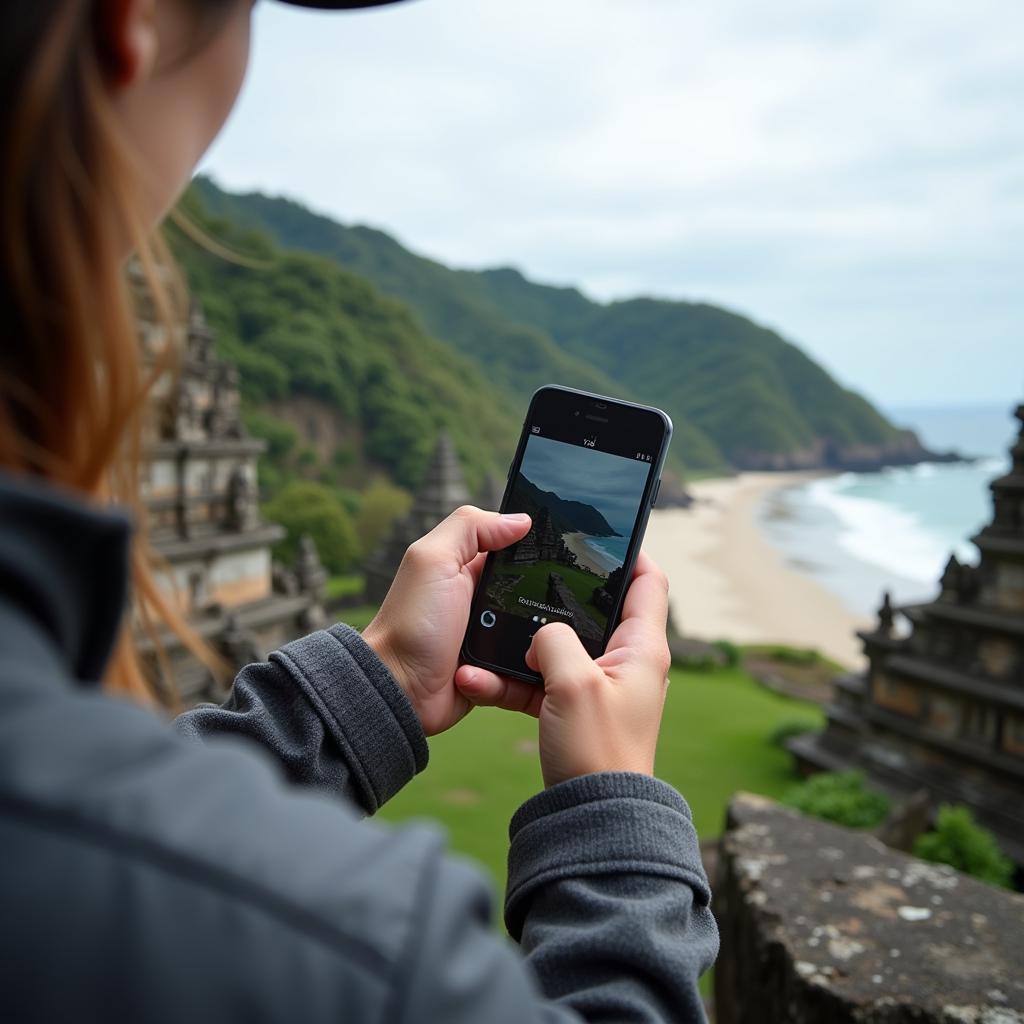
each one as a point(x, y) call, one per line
point(317, 344)
point(739, 394)
point(566, 515)
point(516, 358)
point(756, 394)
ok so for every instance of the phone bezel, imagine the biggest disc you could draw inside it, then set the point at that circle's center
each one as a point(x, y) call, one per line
point(636, 539)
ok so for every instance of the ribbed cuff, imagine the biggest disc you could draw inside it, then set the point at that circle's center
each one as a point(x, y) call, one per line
point(606, 823)
point(365, 710)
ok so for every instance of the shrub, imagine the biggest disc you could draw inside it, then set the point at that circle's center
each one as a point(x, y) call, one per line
point(343, 457)
point(794, 655)
point(351, 501)
point(698, 663)
point(695, 658)
point(789, 728)
point(841, 797)
point(963, 844)
point(730, 652)
point(304, 506)
point(307, 457)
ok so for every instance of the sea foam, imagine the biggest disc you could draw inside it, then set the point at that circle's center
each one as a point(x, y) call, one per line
point(880, 533)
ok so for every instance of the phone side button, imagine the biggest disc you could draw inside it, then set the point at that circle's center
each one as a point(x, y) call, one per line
point(654, 493)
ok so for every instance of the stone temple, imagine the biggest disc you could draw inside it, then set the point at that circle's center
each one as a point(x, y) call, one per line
point(441, 492)
point(200, 489)
point(942, 708)
point(543, 544)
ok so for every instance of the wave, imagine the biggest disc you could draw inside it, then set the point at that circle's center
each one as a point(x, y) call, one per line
point(994, 464)
point(881, 534)
point(609, 551)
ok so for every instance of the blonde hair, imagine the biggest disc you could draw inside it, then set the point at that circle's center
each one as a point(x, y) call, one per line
point(73, 385)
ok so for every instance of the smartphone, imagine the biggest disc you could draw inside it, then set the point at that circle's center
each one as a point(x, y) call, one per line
point(587, 470)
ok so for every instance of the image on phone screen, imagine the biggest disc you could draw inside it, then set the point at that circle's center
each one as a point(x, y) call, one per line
point(570, 566)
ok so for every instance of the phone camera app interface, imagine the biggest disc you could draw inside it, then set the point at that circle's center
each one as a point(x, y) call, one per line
point(570, 566)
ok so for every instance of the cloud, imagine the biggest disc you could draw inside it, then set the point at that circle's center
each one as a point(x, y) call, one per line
point(851, 173)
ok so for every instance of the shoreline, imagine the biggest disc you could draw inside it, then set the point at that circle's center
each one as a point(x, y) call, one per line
point(728, 581)
point(576, 543)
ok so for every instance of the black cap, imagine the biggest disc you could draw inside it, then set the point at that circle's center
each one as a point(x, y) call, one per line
point(339, 5)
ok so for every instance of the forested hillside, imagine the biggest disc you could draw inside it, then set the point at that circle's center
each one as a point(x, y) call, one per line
point(307, 334)
point(739, 394)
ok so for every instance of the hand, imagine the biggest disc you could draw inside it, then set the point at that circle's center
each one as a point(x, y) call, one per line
point(419, 629)
point(595, 715)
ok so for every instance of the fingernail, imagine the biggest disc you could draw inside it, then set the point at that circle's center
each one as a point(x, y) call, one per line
point(516, 517)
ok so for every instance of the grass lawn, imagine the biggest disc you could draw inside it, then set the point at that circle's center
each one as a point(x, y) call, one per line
point(344, 586)
point(534, 585)
point(360, 616)
point(713, 742)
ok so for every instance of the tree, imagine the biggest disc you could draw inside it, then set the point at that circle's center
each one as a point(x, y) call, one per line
point(381, 504)
point(304, 506)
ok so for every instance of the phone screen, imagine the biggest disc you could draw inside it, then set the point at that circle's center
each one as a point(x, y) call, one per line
point(585, 472)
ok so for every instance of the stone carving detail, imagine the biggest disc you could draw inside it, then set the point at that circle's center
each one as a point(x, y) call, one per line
point(224, 417)
point(243, 513)
point(309, 570)
point(284, 580)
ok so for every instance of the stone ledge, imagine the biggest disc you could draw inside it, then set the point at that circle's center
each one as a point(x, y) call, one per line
point(825, 924)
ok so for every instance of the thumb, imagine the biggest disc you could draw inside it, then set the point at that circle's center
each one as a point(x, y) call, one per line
point(558, 655)
point(468, 531)
point(485, 689)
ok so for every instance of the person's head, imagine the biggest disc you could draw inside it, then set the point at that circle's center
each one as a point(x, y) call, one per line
point(106, 106)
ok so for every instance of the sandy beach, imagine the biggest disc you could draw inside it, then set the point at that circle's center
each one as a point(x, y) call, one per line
point(728, 582)
point(576, 543)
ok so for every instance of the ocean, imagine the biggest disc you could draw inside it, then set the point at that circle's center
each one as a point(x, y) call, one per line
point(862, 533)
point(609, 552)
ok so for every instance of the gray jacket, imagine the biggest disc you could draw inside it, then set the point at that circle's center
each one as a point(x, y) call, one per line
point(220, 869)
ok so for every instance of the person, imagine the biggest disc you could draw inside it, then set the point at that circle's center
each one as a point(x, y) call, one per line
point(221, 866)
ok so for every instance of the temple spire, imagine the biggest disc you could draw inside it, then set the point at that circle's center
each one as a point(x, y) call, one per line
point(491, 493)
point(443, 488)
point(886, 615)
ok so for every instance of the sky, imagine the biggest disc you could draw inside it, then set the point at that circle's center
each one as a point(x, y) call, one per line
point(847, 172)
point(612, 484)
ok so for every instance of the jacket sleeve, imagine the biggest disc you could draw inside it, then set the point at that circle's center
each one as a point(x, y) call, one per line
point(329, 712)
point(610, 904)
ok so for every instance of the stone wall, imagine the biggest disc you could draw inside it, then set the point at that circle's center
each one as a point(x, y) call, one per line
point(824, 924)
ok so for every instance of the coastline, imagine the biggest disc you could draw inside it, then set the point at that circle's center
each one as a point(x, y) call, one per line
point(577, 544)
point(728, 581)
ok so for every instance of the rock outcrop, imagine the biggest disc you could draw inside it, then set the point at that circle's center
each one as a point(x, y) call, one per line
point(824, 924)
point(904, 448)
point(560, 595)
